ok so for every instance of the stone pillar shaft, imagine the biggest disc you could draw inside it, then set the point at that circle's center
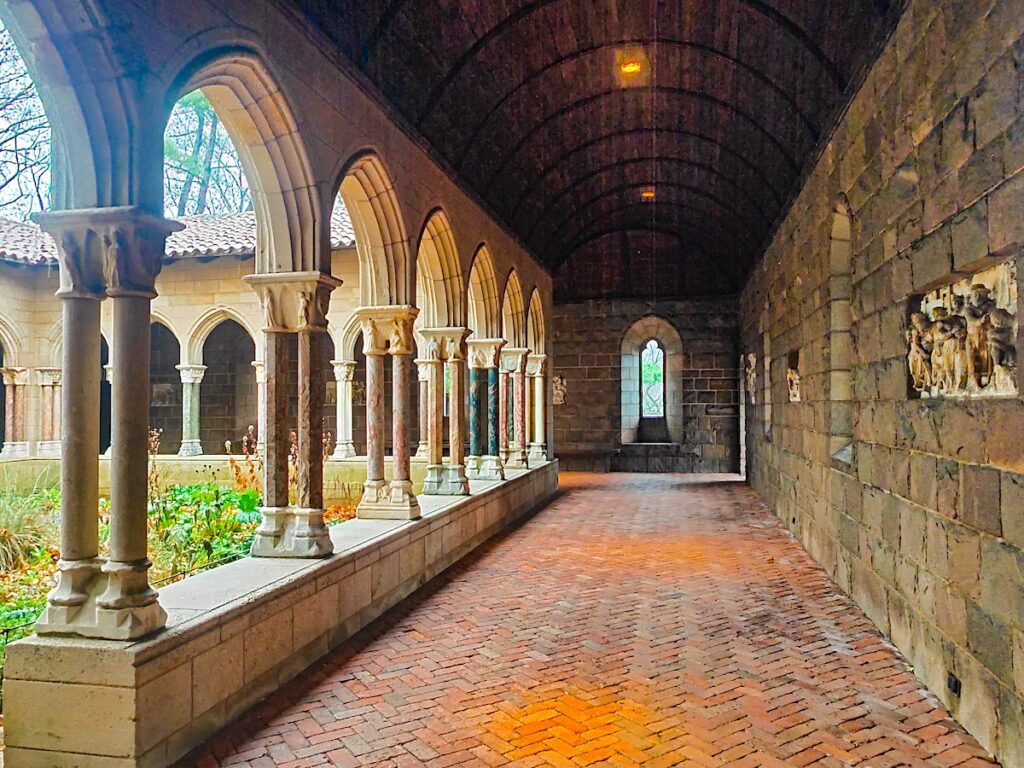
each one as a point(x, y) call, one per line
point(434, 408)
point(401, 417)
point(477, 381)
point(344, 371)
point(80, 447)
point(261, 405)
point(311, 423)
point(503, 414)
point(519, 397)
point(276, 436)
point(374, 418)
point(191, 379)
point(457, 410)
point(423, 408)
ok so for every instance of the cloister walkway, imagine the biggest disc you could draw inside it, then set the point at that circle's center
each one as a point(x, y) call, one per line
point(652, 620)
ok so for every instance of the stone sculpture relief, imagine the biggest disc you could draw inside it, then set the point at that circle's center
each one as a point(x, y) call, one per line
point(793, 381)
point(962, 337)
point(751, 373)
point(559, 384)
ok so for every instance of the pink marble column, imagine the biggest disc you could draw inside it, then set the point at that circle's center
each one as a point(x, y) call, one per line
point(423, 408)
point(519, 413)
point(374, 425)
point(276, 437)
point(401, 415)
point(47, 412)
point(503, 381)
point(310, 421)
point(457, 410)
point(10, 434)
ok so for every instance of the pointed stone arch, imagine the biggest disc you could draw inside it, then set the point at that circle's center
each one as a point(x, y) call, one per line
point(513, 312)
point(484, 311)
point(536, 325)
point(192, 349)
point(635, 338)
point(10, 341)
point(382, 246)
point(439, 289)
point(291, 232)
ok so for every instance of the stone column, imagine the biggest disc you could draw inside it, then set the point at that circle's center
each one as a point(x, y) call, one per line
point(15, 442)
point(445, 344)
point(293, 302)
point(503, 414)
point(423, 410)
point(477, 378)
point(513, 360)
point(536, 370)
point(344, 373)
point(261, 405)
point(484, 356)
point(191, 378)
point(49, 380)
point(121, 250)
point(387, 329)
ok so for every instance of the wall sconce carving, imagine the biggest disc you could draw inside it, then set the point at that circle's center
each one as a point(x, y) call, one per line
point(793, 376)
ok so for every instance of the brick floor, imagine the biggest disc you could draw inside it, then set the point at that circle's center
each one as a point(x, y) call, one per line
point(655, 620)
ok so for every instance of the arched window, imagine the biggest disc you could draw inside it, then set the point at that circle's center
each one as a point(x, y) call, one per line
point(652, 380)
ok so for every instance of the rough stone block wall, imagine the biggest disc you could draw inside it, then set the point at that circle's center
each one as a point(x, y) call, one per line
point(921, 518)
point(165, 388)
point(588, 355)
point(227, 394)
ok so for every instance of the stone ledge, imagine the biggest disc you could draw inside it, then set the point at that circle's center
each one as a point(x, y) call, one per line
point(235, 634)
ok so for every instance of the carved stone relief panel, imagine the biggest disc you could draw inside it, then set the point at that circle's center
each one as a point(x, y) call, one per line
point(962, 337)
point(559, 384)
point(750, 369)
point(793, 376)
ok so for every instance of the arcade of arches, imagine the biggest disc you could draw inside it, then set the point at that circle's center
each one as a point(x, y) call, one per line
point(743, 243)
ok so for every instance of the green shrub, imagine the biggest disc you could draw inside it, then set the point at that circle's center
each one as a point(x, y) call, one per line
point(27, 525)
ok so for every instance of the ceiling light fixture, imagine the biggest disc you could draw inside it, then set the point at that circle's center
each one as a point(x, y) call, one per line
point(647, 194)
point(630, 67)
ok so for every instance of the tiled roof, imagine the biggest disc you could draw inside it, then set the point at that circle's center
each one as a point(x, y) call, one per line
point(232, 235)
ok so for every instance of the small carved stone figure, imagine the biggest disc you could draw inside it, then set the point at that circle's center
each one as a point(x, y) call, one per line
point(751, 371)
point(1001, 347)
point(919, 354)
point(976, 314)
point(949, 350)
point(559, 385)
point(793, 381)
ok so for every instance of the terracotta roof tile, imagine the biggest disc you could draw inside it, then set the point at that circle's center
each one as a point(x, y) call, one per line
point(232, 235)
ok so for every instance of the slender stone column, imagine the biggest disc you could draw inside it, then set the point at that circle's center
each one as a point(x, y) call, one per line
point(293, 302)
point(477, 377)
point(191, 378)
point(387, 329)
point(401, 418)
point(120, 250)
point(49, 380)
point(445, 344)
point(503, 415)
point(423, 403)
point(344, 373)
point(309, 536)
point(536, 369)
point(261, 405)
point(484, 356)
point(513, 361)
point(15, 443)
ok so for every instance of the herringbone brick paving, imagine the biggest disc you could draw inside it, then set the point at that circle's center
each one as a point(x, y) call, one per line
point(654, 620)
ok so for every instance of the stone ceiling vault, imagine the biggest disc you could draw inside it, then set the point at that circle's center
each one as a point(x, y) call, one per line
point(529, 102)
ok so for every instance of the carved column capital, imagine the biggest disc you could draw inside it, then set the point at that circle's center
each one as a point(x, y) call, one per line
point(50, 377)
point(261, 371)
point(13, 376)
point(484, 353)
point(536, 365)
point(344, 370)
point(108, 251)
point(513, 359)
point(444, 343)
point(293, 301)
point(387, 330)
point(191, 374)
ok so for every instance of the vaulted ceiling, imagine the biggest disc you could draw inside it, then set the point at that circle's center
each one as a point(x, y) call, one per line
point(566, 115)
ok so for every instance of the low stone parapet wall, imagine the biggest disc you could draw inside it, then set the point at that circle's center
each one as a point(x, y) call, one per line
point(235, 634)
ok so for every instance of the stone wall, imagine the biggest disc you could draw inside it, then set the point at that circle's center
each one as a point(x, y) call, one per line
point(588, 339)
point(915, 506)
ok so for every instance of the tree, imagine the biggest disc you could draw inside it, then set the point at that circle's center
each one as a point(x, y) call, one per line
point(202, 171)
point(24, 138)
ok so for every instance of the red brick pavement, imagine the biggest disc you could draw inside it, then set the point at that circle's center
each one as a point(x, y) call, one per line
point(654, 620)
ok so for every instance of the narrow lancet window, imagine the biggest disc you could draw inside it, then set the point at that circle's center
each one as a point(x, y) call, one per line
point(652, 381)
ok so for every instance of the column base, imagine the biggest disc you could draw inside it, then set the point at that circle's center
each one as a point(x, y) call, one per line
point(446, 480)
point(517, 459)
point(292, 532)
point(191, 448)
point(473, 464)
point(345, 449)
point(490, 469)
point(503, 454)
point(18, 450)
point(49, 449)
point(422, 452)
point(102, 599)
point(388, 501)
point(538, 453)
